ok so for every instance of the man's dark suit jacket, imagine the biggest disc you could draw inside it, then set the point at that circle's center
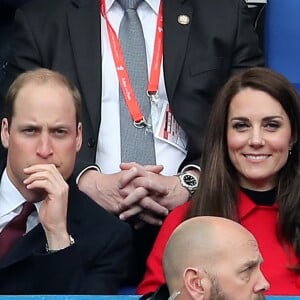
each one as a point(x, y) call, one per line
point(198, 58)
point(7, 12)
point(95, 264)
point(162, 293)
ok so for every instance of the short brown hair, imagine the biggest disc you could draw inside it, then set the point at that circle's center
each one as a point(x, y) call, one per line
point(40, 76)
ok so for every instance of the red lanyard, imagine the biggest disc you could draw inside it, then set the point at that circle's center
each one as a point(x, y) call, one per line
point(124, 80)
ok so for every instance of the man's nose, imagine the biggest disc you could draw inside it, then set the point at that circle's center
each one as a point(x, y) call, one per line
point(262, 284)
point(44, 147)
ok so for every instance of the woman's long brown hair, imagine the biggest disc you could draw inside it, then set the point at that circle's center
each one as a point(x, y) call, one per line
point(219, 186)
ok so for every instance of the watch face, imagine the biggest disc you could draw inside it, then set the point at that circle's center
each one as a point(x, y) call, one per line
point(190, 180)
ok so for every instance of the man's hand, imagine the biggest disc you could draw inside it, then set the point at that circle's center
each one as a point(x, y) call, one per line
point(46, 181)
point(141, 203)
point(152, 189)
point(109, 190)
point(136, 191)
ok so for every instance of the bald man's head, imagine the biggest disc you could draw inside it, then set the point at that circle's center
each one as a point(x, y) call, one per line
point(208, 246)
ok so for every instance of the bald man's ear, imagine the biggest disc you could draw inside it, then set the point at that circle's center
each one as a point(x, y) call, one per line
point(197, 283)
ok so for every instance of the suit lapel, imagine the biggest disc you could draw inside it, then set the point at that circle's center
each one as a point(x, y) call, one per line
point(84, 27)
point(175, 40)
point(34, 239)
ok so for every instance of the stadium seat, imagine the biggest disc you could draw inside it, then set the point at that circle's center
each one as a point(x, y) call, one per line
point(282, 38)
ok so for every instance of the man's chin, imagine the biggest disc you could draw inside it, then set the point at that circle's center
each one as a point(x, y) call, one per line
point(38, 195)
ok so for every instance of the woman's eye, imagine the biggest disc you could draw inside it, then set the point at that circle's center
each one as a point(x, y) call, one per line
point(240, 125)
point(273, 125)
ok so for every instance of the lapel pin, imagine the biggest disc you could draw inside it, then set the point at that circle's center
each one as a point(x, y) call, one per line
point(183, 19)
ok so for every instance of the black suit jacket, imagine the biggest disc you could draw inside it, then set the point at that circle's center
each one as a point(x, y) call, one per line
point(95, 264)
point(198, 57)
point(7, 13)
point(162, 293)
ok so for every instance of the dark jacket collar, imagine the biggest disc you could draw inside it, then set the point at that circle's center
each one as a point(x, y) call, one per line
point(162, 293)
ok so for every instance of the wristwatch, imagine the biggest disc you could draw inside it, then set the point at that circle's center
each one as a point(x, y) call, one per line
point(189, 181)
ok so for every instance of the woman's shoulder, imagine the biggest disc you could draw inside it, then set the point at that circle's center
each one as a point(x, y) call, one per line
point(181, 210)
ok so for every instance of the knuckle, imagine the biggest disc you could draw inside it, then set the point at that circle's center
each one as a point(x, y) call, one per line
point(141, 191)
point(147, 203)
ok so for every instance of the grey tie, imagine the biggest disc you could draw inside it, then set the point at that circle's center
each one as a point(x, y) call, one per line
point(137, 144)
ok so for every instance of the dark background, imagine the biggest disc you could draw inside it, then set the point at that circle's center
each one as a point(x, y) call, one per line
point(8, 7)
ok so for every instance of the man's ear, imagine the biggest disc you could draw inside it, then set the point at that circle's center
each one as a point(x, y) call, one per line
point(79, 137)
point(5, 133)
point(197, 283)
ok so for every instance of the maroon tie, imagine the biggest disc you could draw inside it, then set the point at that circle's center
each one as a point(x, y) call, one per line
point(14, 229)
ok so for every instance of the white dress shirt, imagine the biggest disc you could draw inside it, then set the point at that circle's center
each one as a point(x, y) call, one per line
point(11, 204)
point(108, 155)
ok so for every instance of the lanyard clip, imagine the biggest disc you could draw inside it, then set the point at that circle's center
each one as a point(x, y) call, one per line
point(153, 96)
point(140, 124)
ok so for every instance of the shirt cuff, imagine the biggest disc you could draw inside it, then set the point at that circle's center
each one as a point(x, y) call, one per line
point(191, 167)
point(93, 167)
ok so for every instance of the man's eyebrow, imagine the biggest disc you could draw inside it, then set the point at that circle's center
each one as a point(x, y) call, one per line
point(28, 124)
point(251, 263)
point(38, 126)
point(59, 126)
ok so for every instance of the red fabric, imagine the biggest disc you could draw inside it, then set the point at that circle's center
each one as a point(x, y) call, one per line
point(154, 277)
point(261, 221)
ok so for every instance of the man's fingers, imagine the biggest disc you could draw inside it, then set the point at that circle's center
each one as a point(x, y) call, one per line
point(150, 168)
point(153, 207)
point(154, 168)
point(150, 219)
point(127, 176)
point(42, 172)
point(140, 197)
point(152, 185)
point(129, 213)
point(133, 198)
